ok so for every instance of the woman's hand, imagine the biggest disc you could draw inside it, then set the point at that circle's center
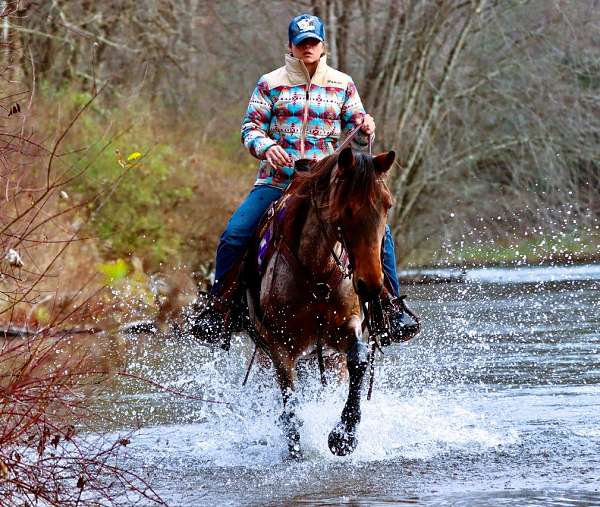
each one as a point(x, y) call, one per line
point(278, 157)
point(368, 124)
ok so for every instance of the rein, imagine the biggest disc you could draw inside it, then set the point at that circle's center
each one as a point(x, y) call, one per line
point(346, 272)
point(374, 318)
point(375, 323)
point(351, 136)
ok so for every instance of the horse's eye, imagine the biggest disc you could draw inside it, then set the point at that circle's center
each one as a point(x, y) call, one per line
point(348, 212)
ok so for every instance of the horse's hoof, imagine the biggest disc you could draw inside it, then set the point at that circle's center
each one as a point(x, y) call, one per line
point(289, 424)
point(295, 451)
point(342, 442)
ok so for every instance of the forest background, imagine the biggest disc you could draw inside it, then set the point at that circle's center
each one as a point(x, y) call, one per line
point(121, 161)
point(131, 113)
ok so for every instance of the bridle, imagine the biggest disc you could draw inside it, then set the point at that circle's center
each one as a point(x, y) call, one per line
point(347, 270)
point(374, 317)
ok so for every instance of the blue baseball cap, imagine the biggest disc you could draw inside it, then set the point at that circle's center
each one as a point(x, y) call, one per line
point(305, 26)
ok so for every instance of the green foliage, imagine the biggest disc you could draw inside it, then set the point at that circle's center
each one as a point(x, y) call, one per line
point(133, 184)
point(113, 271)
point(561, 247)
point(42, 314)
point(155, 187)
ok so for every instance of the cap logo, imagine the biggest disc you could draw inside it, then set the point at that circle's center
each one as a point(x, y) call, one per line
point(306, 24)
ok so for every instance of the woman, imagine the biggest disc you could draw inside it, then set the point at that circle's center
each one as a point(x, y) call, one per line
point(298, 111)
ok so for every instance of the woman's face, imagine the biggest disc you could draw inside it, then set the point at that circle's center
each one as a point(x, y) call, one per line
point(309, 51)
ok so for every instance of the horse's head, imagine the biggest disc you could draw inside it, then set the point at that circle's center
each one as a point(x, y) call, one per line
point(359, 202)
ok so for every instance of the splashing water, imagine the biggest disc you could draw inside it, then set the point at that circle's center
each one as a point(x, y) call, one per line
point(496, 402)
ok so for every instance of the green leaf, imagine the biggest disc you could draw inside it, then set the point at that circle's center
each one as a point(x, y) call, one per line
point(113, 271)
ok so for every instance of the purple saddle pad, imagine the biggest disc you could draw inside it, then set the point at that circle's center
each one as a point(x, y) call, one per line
point(275, 216)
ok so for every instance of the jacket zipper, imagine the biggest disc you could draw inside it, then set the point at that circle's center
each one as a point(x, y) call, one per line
point(304, 120)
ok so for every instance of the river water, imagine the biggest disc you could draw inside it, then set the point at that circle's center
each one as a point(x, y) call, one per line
point(496, 402)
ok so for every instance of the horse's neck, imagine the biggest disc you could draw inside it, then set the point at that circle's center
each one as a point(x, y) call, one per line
point(314, 248)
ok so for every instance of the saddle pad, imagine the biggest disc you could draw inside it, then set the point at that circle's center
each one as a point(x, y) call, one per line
point(266, 232)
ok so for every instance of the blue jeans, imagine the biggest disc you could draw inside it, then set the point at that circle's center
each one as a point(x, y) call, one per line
point(389, 261)
point(243, 224)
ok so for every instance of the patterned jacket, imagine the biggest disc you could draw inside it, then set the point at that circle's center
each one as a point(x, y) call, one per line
point(305, 116)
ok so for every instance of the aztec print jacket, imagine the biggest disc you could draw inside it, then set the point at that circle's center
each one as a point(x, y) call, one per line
point(305, 116)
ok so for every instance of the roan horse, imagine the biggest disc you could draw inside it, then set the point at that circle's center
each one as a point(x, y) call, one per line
point(325, 261)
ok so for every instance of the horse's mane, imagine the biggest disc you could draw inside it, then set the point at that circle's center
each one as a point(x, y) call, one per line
point(358, 184)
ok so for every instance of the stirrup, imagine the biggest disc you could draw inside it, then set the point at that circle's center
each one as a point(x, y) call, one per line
point(403, 323)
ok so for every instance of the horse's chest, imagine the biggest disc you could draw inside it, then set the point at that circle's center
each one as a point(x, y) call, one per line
point(296, 304)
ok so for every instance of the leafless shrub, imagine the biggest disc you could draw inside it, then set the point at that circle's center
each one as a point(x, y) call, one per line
point(47, 454)
point(44, 456)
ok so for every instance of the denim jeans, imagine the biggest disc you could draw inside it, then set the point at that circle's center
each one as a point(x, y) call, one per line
point(389, 261)
point(244, 222)
point(241, 228)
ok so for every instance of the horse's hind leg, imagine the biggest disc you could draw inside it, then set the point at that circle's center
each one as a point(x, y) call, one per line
point(284, 368)
point(342, 439)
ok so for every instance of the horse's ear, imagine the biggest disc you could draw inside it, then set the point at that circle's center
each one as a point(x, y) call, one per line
point(384, 161)
point(304, 165)
point(345, 159)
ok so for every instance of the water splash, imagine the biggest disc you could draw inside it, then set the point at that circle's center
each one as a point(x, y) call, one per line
point(398, 423)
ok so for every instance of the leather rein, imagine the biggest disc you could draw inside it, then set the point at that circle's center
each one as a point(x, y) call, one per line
point(374, 318)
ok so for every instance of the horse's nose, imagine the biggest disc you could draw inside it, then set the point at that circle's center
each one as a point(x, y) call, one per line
point(367, 291)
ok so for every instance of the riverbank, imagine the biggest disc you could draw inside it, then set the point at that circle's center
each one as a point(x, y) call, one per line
point(549, 249)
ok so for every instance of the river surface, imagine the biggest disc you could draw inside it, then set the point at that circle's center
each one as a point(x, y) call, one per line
point(496, 402)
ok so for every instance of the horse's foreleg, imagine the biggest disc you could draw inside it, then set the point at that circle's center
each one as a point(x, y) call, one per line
point(342, 439)
point(284, 368)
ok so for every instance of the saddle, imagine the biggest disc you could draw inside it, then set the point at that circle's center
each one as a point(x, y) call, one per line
point(268, 233)
point(268, 229)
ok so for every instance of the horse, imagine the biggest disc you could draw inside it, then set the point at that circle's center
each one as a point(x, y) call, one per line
point(325, 262)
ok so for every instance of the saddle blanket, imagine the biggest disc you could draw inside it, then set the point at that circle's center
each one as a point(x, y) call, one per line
point(267, 232)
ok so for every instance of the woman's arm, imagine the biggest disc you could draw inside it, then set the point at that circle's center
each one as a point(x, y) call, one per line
point(352, 115)
point(257, 120)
